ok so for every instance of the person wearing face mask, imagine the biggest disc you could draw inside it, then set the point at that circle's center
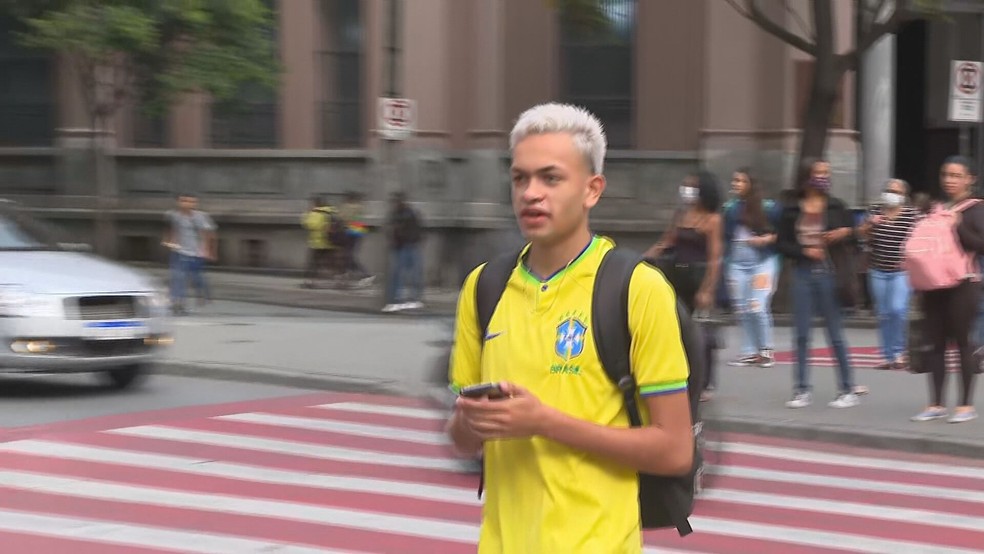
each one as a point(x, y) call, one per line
point(811, 227)
point(690, 253)
point(886, 228)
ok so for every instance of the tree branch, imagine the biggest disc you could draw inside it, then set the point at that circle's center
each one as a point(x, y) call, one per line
point(753, 13)
point(798, 19)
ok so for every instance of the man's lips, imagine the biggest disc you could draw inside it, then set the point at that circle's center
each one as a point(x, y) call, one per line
point(532, 212)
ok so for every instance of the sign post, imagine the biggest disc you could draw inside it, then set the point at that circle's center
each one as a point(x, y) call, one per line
point(965, 98)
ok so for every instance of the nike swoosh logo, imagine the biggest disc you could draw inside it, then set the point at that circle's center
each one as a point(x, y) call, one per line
point(491, 336)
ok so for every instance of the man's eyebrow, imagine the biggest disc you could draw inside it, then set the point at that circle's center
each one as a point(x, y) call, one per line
point(545, 169)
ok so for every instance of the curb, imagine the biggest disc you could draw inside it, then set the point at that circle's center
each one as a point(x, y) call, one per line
point(882, 440)
point(271, 376)
point(442, 308)
point(440, 398)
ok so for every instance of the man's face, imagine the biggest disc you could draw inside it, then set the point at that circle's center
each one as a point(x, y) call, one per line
point(552, 187)
point(187, 202)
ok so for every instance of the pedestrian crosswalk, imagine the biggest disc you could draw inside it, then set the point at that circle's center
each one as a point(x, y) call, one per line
point(862, 357)
point(374, 474)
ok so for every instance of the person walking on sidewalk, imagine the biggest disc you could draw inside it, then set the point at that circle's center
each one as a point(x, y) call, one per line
point(810, 227)
point(406, 266)
point(190, 235)
point(315, 222)
point(949, 313)
point(752, 266)
point(886, 228)
point(352, 212)
point(561, 463)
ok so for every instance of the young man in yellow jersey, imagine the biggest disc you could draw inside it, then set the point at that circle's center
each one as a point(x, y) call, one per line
point(560, 459)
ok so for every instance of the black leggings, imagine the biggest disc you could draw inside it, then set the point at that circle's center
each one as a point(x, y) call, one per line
point(950, 315)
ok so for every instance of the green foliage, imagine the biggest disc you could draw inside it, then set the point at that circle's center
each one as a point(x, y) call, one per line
point(153, 50)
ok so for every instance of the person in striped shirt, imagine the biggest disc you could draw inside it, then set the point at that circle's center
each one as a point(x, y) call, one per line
point(886, 228)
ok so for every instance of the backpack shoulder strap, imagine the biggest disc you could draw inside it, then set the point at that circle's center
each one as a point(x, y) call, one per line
point(492, 282)
point(610, 322)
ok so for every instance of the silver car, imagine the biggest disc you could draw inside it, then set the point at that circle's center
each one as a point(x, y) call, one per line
point(63, 310)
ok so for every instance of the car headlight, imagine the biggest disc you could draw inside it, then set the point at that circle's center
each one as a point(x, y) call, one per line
point(16, 301)
point(156, 302)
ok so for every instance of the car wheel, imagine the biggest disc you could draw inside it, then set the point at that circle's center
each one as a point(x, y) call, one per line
point(124, 377)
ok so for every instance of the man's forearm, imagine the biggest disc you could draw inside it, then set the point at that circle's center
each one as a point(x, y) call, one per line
point(648, 449)
point(465, 441)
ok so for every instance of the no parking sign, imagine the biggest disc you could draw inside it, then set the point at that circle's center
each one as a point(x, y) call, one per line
point(397, 118)
point(965, 91)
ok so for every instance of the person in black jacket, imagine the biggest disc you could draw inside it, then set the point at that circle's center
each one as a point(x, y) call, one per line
point(949, 313)
point(407, 260)
point(811, 225)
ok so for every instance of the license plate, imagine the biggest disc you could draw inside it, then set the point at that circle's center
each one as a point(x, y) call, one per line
point(115, 330)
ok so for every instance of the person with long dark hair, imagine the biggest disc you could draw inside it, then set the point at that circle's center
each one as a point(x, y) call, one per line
point(949, 313)
point(690, 252)
point(751, 266)
point(810, 227)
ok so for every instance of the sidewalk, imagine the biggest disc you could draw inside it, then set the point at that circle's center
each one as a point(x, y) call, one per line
point(281, 290)
point(404, 356)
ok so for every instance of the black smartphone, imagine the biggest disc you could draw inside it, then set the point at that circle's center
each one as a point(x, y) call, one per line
point(491, 390)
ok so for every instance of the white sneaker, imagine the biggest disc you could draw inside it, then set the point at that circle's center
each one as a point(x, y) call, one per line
point(847, 400)
point(390, 308)
point(413, 305)
point(800, 400)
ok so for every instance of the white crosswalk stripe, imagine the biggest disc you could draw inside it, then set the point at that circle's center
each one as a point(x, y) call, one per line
point(372, 475)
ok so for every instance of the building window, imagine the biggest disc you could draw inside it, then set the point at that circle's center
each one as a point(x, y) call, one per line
point(250, 121)
point(597, 64)
point(27, 107)
point(341, 70)
point(149, 131)
point(804, 82)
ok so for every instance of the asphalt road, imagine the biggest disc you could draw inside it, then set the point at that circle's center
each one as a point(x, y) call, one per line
point(235, 332)
point(38, 400)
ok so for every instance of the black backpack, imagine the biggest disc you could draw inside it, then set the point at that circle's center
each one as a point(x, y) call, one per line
point(663, 501)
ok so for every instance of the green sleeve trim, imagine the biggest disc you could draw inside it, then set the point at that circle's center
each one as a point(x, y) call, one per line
point(663, 388)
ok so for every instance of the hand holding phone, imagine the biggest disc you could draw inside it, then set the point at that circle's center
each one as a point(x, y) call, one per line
point(491, 390)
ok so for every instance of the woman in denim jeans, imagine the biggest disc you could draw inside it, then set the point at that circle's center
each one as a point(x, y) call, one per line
point(887, 227)
point(752, 266)
point(810, 225)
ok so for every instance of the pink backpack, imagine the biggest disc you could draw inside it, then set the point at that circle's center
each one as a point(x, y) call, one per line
point(933, 255)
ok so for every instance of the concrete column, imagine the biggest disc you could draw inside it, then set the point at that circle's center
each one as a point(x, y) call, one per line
point(299, 113)
point(878, 116)
point(190, 122)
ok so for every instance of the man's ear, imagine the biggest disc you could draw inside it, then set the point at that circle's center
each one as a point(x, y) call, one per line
point(596, 186)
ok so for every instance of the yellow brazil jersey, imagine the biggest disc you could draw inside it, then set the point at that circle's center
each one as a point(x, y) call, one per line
point(541, 496)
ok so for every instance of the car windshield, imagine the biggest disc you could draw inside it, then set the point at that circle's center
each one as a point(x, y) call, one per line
point(20, 232)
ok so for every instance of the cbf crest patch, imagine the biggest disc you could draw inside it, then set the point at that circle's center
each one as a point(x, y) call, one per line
point(570, 337)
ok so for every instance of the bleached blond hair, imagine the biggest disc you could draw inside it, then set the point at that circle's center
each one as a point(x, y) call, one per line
point(582, 125)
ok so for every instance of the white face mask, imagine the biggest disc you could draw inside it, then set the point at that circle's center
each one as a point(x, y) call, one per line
point(688, 194)
point(892, 199)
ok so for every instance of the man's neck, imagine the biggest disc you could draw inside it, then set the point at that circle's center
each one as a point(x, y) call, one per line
point(546, 260)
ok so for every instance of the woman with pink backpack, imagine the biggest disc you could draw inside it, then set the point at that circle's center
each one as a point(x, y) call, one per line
point(945, 273)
